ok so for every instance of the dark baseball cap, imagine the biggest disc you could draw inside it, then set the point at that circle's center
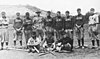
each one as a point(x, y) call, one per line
point(58, 12)
point(78, 9)
point(67, 12)
point(48, 11)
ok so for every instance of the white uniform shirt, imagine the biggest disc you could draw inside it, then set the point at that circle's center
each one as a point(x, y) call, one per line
point(93, 19)
point(31, 41)
point(4, 22)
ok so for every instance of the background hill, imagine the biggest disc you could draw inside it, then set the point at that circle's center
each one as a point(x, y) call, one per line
point(11, 10)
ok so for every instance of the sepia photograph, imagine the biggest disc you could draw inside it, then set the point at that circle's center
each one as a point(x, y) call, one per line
point(49, 29)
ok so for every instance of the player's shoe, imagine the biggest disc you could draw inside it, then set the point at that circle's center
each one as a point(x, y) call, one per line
point(78, 47)
point(93, 47)
point(6, 47)
point(83, 47)
point(1, 48)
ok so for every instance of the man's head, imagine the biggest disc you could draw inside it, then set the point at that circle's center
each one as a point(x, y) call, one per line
point(38, 13)
point(67, 13)
point(18, 14)
point(48, 13)
point(92, 10)
point(79, 11)
point(3, 14)
point(33, 34)
point(27, 14)
point(58, 13)
point(64, 34)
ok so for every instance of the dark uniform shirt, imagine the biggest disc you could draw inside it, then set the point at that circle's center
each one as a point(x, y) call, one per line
point(28, 24)
point(48, 21)
point(79, 20)
point(18, 23)
point(68, 22)
point(58, 23)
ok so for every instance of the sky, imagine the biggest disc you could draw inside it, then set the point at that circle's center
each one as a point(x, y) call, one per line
point(57, 5)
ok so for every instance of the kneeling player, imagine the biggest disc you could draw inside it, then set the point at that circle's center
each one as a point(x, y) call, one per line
point(18, 24)
point(34, 43)
point(65, 43)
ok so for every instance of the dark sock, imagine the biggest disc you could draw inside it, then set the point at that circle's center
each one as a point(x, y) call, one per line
point(2, 44)
point(6, 43)
point(79, 43)
point(14, 43)
point(93, 42)
point(21, 43)
point(97, 42)
point(82, 41)
point(72, 44)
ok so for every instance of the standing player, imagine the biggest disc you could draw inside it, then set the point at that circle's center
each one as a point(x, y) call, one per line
point(18, 25)
point(39, 23)
point(69, 25)
point(58, 24)
point(48, 22)
point(79, 30)
point(93, 21)
point(27, 26)
point(4, 32)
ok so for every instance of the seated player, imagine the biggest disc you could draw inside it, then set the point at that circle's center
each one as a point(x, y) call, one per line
point(34, 43)
point(65, 43)
point(49, 41)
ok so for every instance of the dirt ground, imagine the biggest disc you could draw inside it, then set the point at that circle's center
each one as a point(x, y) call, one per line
point(86, 53)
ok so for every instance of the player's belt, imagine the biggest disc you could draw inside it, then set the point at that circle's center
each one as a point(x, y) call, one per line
point(78, 26)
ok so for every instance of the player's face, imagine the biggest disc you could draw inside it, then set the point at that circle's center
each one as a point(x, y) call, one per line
point(3, 14)
point(67, 14)
point(27, 15)
point(18, 14)
point(92, 11)
point(58, 14)
point(48, 14)
point(38, 14)
point(33, 36)
point(79, 11)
